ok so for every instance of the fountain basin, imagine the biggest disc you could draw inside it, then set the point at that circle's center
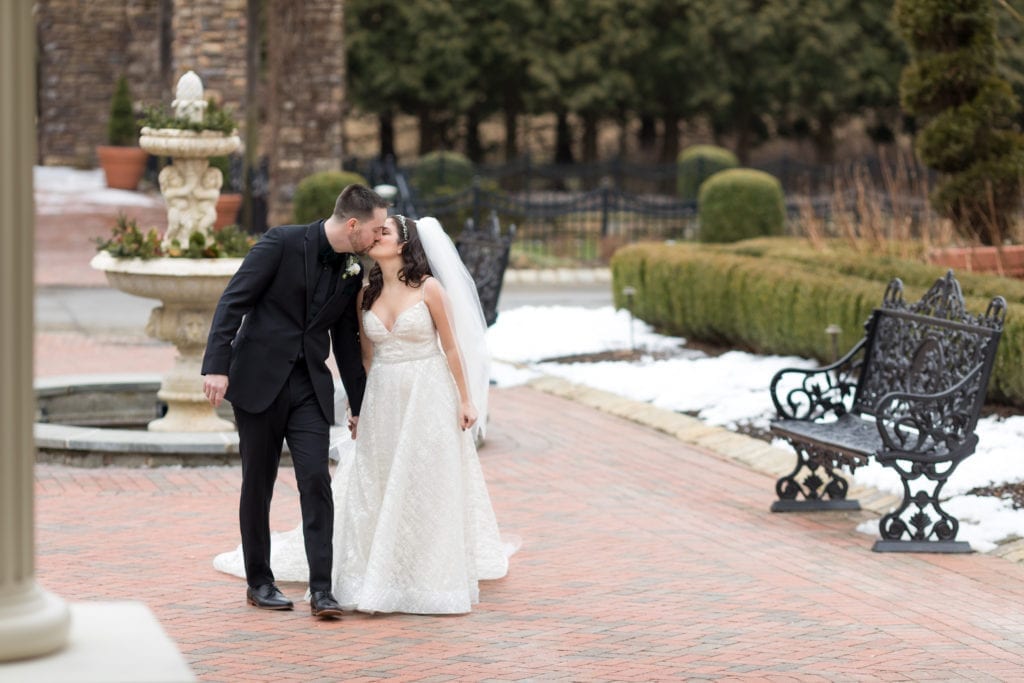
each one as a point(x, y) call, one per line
point(97, 420)
point(100, 420)
point(179, 280)
point(187, 144)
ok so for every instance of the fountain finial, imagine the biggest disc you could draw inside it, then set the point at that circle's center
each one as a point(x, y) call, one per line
point(188, 98)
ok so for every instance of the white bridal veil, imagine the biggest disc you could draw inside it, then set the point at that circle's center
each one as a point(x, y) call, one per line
point(466, 313)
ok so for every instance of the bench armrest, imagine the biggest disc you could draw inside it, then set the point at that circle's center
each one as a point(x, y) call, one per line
point(818, 392)
point(930, 427)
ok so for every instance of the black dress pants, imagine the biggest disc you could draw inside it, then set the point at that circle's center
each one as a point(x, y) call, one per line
point(294, 416)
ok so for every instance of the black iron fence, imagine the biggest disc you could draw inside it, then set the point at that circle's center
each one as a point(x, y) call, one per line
point(587, 227)
point(582, 227)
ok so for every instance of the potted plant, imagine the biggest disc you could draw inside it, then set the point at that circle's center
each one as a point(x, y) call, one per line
point(230, 199)
point(128, 241)
point(123, 161)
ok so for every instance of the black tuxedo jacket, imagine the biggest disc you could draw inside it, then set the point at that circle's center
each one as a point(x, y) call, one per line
point(261, 327)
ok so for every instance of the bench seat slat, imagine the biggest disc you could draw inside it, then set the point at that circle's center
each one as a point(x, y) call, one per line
point(849, 434)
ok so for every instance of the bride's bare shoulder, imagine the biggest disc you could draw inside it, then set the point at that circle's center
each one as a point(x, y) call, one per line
point(429, 284)
point(433, 292)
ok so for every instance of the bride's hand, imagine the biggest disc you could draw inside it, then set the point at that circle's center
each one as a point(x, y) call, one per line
point(467, 417)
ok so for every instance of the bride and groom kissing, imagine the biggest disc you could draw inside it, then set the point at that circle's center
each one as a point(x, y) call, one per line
point(407, 523)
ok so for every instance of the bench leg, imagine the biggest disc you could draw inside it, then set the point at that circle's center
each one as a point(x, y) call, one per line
point(920, 525)
point(806, 492)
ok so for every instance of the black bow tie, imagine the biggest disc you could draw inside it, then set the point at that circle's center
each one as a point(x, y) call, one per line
point(331, 258)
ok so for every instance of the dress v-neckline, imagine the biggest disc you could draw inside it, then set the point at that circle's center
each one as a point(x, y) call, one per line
point(397, 317)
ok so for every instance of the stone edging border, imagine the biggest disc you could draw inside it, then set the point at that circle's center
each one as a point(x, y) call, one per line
point(754, 453)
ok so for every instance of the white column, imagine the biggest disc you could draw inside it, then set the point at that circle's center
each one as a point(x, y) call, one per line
point(32, 621)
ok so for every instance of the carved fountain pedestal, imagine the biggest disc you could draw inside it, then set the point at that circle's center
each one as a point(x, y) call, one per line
point(187, 288)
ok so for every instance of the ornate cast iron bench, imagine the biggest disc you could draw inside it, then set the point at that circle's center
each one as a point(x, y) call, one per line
point(485, 253)
point(908, 394)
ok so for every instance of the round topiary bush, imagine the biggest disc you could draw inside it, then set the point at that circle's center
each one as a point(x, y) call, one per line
point(438, 173)
point(738, 204)
point(698, 163)
point(316, 194)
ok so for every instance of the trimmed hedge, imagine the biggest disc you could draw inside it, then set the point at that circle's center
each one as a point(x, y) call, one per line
point(836, 257)
point(740, 203)
point(316, 194)
point(755, 299)
point(696, 164)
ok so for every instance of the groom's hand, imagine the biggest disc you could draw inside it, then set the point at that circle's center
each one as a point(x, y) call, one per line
point(214, 387)
point(353, 425)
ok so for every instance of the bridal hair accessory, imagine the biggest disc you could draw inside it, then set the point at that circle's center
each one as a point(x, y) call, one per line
point(466, 313)
point(405, 228)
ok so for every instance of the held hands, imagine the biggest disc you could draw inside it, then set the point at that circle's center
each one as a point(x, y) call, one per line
point(353, 424)
point(214, 387)
point(467, 415)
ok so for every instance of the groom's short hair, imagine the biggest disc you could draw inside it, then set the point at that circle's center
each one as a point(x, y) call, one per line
point(358, 201)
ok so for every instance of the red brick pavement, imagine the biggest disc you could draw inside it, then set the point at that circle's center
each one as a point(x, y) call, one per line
point(642, 560)
point(72, 353)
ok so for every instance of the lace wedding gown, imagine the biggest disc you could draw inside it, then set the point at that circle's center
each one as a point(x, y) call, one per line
point(414, 529)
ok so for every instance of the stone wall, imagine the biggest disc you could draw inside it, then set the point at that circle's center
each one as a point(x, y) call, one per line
point(83, 48)
point(209, 38)
point(306, 95)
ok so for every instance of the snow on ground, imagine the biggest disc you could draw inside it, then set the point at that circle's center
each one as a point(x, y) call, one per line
point(58, 187)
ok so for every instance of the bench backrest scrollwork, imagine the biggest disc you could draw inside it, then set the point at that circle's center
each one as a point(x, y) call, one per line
point(485, 252)
point(929, 347)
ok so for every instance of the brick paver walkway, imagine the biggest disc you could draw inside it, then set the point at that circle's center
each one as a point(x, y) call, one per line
point(642, 559)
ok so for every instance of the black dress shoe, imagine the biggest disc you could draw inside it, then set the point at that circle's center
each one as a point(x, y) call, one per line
point(323, 604)
point(267, 596)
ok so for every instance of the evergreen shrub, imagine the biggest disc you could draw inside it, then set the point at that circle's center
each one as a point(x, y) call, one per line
point(441, 173)
point(696, 164)
point(122, 129)
point(740, 203)
point(967, 113)
point(316, 194)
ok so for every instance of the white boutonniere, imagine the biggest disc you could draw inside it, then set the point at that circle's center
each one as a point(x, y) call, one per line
point(352, 266)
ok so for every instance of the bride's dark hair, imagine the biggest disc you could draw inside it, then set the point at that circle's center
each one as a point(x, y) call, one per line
point(414, 261)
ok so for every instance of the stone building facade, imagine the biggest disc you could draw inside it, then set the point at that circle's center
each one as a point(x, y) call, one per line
point(85, 45)
point(306, 70)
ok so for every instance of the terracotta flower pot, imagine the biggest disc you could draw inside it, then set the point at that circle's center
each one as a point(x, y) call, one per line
point(122, 166)
point(227, 209)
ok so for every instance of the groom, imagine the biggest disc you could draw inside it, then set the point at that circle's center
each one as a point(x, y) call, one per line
point(294, 295)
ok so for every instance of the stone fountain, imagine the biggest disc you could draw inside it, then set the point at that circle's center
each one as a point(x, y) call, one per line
point(187, 288)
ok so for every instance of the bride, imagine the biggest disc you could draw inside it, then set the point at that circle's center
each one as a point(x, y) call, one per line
point(414, 528)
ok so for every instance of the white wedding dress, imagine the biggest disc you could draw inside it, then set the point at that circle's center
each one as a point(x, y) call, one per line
point(414, 529)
